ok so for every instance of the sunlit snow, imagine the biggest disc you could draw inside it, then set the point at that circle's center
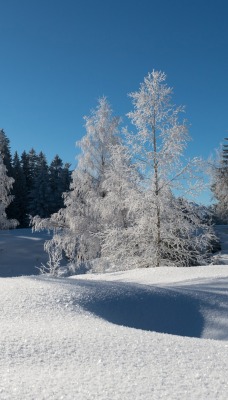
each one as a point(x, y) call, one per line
point(159, 333)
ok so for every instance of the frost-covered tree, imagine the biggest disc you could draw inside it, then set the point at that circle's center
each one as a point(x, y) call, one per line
point(119, 209)
point(125, 203)
point(5, 199)
point(164, 233)
point(77, 226)
point(83, 202)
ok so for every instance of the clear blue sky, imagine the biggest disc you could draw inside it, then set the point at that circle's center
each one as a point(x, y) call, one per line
point(59, 56)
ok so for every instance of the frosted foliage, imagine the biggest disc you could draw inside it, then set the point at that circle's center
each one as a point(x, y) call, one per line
point(78, 226)
point(121, 188)
point(156, 118)
point(123, 210)
point(6, 184)
point(162, 232)
point(83, 202)
point(101, 132)
point(184, 237)
point(119, 206)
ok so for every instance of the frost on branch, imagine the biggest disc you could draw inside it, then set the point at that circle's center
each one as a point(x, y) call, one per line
point(165, 232)
point(127, 206)
point(79, 224)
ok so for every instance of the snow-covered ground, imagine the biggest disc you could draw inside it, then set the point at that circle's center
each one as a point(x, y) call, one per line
point(144, 334)
point(21, 252)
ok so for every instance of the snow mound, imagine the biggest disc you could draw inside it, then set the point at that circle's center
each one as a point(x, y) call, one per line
point(194, 308)
point(159, 333)
point(102, 337)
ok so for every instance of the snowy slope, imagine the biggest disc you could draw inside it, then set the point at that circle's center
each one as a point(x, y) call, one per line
point(143, 334)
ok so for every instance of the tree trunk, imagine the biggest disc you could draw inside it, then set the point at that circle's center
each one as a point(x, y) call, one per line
point(158, 213)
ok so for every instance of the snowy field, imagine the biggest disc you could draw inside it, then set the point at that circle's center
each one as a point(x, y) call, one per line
point(21, 252)
point(144, 334)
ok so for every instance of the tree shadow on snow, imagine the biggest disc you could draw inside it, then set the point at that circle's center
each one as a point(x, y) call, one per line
point(185, 309)
point(159, 310)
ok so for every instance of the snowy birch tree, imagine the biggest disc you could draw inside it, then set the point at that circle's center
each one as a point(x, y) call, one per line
point(78, 224)
point(157, 145)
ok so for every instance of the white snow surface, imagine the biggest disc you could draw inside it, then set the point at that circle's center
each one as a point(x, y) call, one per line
point(21, 252)
point(145, 334)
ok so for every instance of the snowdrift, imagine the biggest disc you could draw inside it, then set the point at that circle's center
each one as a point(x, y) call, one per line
point(147, 333)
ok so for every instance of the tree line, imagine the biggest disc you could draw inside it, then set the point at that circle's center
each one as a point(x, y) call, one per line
point(34, 187)
point(126, 204)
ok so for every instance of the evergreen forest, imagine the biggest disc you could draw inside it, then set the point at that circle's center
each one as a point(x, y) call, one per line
point(37, 187)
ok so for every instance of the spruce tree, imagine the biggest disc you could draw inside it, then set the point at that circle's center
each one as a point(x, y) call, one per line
point(66, 177)
point(56, 184)
point(7, 161)
point(18, 207)
point(6, 183)
point(40, 192)
point(219, 185)
point(32, 168)
point(5, 151)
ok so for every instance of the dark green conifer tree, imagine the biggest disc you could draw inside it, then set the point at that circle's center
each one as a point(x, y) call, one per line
point(39, 195)
point(5, 152)
point(18, 207)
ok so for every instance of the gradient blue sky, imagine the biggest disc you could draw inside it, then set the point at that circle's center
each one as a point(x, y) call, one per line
point(59, 56)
